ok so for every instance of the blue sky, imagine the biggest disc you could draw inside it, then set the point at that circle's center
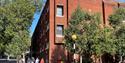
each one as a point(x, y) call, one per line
point(121, 0)
point(34, 23)
point(35, 20)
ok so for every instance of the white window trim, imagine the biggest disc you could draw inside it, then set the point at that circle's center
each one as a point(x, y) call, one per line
point(59, 35)
point(62, 11)
point(59, 16)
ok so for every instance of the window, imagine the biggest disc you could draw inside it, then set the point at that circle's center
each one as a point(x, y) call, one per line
point(59, 30)
point(59, 11)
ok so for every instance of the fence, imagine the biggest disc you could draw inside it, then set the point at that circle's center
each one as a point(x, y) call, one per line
point(8, 61)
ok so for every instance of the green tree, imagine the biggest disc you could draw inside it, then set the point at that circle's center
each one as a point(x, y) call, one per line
point(117, 22)
point(117, 17)
point(5, 2)
point(92, 39)
point(16, 18)
point(85, 26)
point(39, 4)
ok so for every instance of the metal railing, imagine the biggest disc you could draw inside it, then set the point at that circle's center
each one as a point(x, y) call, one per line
point(8, 61)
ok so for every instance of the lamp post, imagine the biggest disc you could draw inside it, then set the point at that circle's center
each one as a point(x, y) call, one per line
point(74, 37)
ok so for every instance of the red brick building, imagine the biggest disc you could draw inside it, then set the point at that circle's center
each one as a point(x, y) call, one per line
point(47, 40)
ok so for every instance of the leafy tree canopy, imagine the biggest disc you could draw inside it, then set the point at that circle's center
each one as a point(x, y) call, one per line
point(117, 17)
point(91, 38)
point(16, 18)
point(117, 22)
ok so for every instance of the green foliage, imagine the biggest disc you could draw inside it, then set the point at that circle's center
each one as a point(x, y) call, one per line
point(40, 4)
point(86, 27)
point(117, 18)
point(16, 18)
point(91, 38)
point(105, 42)
point(120, 39)
point(6, 2)
point(77, 16)
point(116, 21)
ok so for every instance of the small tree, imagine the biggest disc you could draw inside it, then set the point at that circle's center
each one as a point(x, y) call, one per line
point(116, 21)
point(92, 39)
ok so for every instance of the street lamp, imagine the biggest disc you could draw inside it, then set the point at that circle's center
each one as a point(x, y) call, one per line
point(74, 37)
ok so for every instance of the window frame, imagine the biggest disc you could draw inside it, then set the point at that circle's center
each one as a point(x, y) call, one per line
point(61, 9)
point(62, 31)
